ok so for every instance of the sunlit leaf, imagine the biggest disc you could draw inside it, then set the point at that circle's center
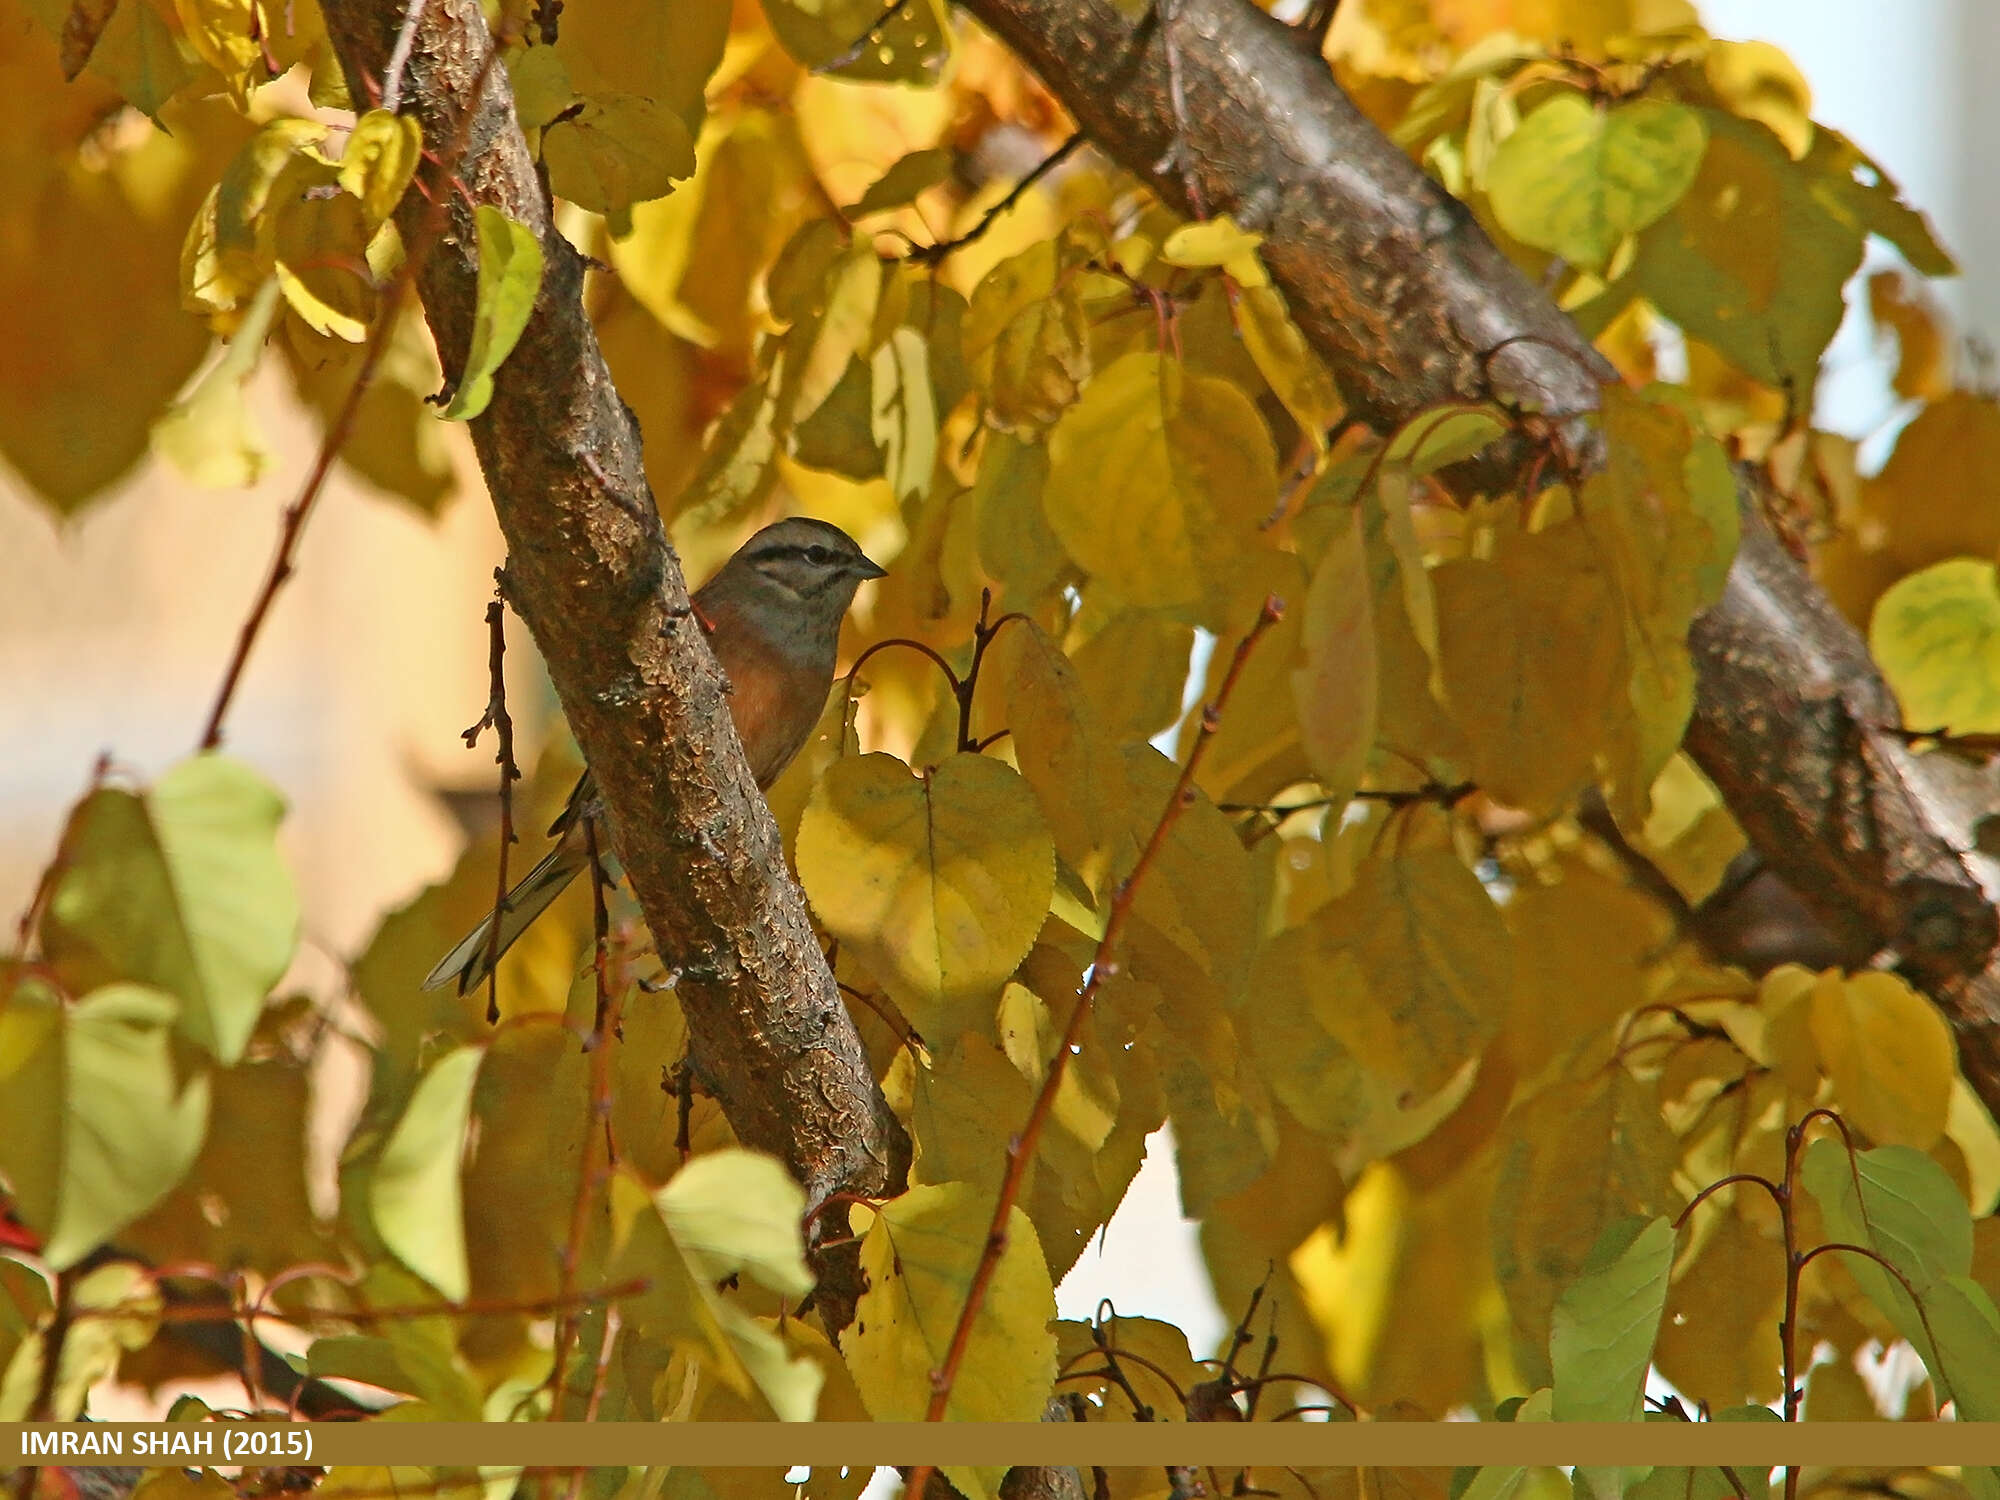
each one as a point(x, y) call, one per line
point(1936, 635)
point(1601, 1335)
point(181, 887)
point(380, 159)
point(1889, 1054)
point(919, 1257)
point(1575, 178)
point(938, 882)
point(1157, 478)
point(415, 1196)
point(510, 278)
point(618, 150)
point(99, 1121)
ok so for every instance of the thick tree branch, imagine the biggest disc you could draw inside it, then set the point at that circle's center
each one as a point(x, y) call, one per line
point(591, 572)
point(1410, 304)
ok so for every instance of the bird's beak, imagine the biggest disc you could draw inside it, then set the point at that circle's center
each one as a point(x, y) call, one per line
point(864, 569)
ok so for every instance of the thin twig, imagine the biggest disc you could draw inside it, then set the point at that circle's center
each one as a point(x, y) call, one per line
point(860, 44)
point(1021, 1149)
point(502, 723)
point(589, 1175)
point(341, 428)
point(399, 56)
point(930, 255)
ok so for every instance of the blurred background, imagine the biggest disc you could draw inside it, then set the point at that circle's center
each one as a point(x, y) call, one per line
point(115, 626)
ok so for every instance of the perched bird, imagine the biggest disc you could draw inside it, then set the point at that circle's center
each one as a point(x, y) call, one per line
point(773, 614)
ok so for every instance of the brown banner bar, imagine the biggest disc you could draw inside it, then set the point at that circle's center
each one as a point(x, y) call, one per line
point(766, 1445)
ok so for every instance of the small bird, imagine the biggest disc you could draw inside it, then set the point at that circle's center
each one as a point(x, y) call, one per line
point(773, 614)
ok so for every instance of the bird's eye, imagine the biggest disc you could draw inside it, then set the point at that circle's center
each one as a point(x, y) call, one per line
point(819, 556)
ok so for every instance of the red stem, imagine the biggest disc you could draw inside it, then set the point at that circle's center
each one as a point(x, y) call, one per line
point(1021, 1150)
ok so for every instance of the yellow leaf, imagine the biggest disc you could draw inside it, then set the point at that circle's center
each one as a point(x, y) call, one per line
point(1889, 1054)
point(1134, 671)
point(1531, 660)
point(837, 328)
point(1936, 635)
point(1938, 496)
point(224, 33)
point(903, 415)
point(1752, 257)
point(1287, 362)
point(320, 245)
point(1759, 82)
point(919, 1257)
point(1924, 345)
point(665, 53)
point(1157, 478)
point(1719, 1340)
point(1582, 943)
point(209, 434)
point(1335, 690)
point(1435, 965)
point(621, 149)
point(380, 159)
point(1786, 999)
point(1076, 771)
point(1026, 340)
point(1211, 242)
point(249, 186)
point(1029, 1034)
point(908, 178)
point(938, 883)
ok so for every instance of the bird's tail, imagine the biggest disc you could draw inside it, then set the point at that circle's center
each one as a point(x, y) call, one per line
point(473, 959)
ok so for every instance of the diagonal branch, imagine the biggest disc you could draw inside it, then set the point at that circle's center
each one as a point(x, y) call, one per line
point(1410, 304)
point(591, 572)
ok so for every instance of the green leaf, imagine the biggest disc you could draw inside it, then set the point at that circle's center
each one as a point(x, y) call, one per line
point(938, 883)
point(1601, 1336)
point(1899, 1203)
point(113, 1309)
point(1575, 179)
point(96, 1124)
point(1157, 480)
point(734, 1210)
point(919, 1257)
point(1752, 259)
point(1936, 634)
point(183, 888)
point(415, 1195)
point(510, 278)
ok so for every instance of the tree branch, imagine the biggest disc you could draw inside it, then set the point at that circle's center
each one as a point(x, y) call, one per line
point(591, 572)
point(1409, 304)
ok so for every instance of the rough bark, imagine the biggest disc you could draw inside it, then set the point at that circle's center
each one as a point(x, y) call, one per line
point(591, 572)
point(1410, 304)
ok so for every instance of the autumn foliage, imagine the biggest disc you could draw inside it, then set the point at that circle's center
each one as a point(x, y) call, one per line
point(1432, 973)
